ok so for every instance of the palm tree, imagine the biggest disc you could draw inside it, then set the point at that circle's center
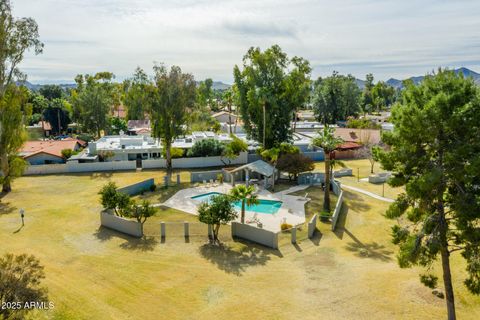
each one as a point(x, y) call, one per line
point(327, 140)
point(245, 195)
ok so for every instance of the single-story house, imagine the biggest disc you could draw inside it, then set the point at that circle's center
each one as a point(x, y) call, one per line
point(139, 127)
point(224, 117)
point(49, 151)
point(42, 129)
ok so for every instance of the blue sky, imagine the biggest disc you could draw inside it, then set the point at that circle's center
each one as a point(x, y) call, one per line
point(208, 37)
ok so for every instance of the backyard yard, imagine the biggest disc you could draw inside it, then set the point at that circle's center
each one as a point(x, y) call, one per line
point(95, 273)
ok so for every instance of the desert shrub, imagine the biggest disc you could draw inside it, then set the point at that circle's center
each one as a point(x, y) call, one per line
point(206, 148)
point(362, 124)
point(153, 187)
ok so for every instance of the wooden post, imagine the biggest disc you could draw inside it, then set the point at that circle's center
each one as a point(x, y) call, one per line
point(178, 178)
point(294, 235)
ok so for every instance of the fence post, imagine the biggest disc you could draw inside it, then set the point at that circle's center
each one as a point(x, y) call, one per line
point(162, 229)
point(294, 235)
point(178, 178)
point(165, 180)
point(185, 228)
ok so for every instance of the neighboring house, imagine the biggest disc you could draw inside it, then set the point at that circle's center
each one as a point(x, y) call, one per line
point(225, 117)
point(305, 115)
point(119, 111)
point(139, 127)
point(49, 151)
point(42, 128)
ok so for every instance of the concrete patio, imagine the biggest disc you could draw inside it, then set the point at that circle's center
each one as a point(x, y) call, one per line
point(292, 210)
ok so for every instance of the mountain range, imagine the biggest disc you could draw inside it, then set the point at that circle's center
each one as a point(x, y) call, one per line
point(219, 85)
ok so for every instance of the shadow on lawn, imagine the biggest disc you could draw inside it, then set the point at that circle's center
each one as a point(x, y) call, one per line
point(146, 243)
point(6, 208)
point(236, 261)
point(371, 250)
point(101, 175)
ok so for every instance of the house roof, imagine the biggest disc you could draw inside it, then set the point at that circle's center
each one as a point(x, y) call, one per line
point(119, 112)
point(51, 147)
point(138, 124)
point(358, 135)
point(221, 113)
point(349, 146)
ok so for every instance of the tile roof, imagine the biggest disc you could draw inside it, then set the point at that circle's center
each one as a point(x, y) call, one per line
point(52, 147)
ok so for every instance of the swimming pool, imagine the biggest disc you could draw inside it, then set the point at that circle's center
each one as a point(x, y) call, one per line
point(264, 206)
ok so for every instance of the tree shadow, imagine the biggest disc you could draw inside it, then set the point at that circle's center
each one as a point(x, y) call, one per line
point(146, 243)
point(6, 208)
point(356, 201)
point(235, 261)
point(371, 250)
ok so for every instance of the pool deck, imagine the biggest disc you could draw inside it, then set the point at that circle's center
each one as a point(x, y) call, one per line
point(292, 209)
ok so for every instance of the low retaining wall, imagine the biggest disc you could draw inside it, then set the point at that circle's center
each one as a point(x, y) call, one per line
point(138, 187)
point(312, 225)
point(379, 177)
point(338, 206)
point(254, 234)
point(132, 228)
point(75, 167)
point(343, 172)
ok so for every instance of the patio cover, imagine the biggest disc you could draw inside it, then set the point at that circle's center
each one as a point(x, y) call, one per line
point(258, 166)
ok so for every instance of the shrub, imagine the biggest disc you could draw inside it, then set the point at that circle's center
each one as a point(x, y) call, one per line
point(234, 147)
point(153, 187)
point(325, 216)
point(174, 152)
point(285, 226)
point(206, 148)
point(362, 124)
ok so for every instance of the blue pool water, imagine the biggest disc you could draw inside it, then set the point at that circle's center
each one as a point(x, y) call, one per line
point(264, 206)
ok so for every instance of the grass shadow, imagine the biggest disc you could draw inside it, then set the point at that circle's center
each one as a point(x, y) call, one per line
point(356, 201)
point(370, 250)
point(19, 229)
point(232, 260)
point(101, 175)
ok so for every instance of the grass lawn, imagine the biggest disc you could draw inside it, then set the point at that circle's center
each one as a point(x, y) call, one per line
point(95, 273)
point(362, 167)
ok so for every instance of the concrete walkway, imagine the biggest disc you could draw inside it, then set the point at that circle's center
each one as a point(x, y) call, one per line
point(368, 193)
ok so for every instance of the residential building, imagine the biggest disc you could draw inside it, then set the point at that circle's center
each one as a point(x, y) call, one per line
point(48, 151)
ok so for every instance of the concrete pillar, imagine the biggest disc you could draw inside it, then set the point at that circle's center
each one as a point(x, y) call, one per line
point(265, 182)
point(186, 229)
point(178, 178)
point(294, 235)
point(162, 229)
point(232, 177)
point(247, 177)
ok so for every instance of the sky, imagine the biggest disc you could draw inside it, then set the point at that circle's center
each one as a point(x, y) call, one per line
point(208, 37)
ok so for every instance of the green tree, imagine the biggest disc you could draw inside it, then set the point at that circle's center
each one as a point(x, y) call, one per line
point(205, 93)
point(267, 95)
point(217, 211)
point(335, 98)
point(93, 100)
point(172, 98)
point(136, 97)
point(51, 92)
point(383, 96)
point(327, 140)
point(367, 99)
point(434, 153)
point(20, 281)
point(141, 212)
point(12, 134)
point(116, 125)
point(206, 148)
point(246, 195)
point(57, 114)
point(17, 35)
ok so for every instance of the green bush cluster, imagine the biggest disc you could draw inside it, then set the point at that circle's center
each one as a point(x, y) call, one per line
point(362, 124)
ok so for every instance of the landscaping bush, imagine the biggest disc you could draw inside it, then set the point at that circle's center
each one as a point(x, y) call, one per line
point(206, 148)
point(174, 152)
point(67, 153)
point(362, 124)
point(325, 216)
point(153, 187)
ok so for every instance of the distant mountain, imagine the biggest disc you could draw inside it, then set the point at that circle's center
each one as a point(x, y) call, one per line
point(36, 87)
point(465, 71)
point(219, 85)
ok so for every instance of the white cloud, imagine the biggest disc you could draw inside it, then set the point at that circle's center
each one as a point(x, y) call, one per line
point(386, 37)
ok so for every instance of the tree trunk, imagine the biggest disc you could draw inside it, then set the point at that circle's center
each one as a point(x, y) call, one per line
point(372, 163)
point(264, 125)
point(6, 187)
point(326, 199)
point(274, 176)
point(168, 152)
point(243, 211)
point(445, 254)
